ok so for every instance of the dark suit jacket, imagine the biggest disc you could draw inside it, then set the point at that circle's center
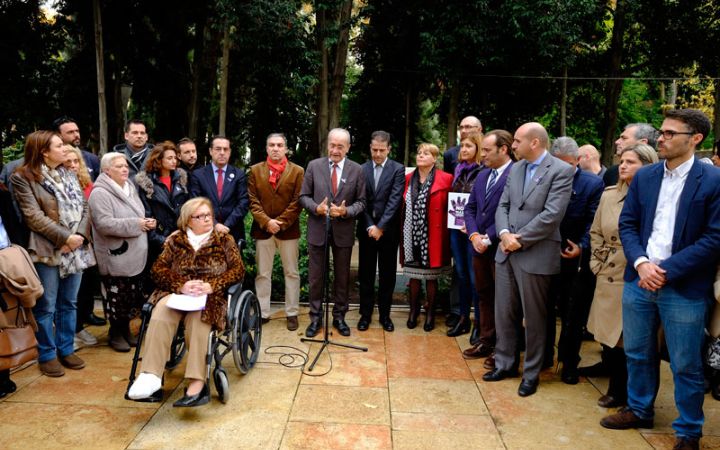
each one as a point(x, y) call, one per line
point(536, 213)
point(316, 186)
point(93, 164)
point(450, 159)
point(281, 204)
point(384, 205)
point(696, 238)
point(480, 214)
point(16, 232)
point(584, 200)
point(231, 209)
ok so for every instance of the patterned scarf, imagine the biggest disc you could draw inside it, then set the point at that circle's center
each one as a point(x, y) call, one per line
point(64, 185)
point(415, 226)
point(463, 167)
point(276, 171)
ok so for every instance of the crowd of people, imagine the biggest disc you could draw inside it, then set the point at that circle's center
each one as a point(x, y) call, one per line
point(531, 230)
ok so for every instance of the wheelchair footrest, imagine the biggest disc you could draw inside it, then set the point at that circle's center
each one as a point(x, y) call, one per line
point(155, 397)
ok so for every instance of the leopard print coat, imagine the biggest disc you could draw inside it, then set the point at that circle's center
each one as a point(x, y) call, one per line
point(217, 262)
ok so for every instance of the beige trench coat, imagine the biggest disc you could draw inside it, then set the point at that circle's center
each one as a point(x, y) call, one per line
point(607, 261)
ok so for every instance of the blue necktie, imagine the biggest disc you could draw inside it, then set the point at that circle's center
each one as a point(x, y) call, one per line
point(491, 183)
point(528, 175)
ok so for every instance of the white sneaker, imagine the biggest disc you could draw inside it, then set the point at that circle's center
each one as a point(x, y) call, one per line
point(86, 338)
point(145, 385)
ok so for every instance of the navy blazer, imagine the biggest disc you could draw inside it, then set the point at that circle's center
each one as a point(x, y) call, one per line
point(384, 205)
point(450, 159)
point(479, 214)
point(231, 209)
point(696, 237)
point(587, 189)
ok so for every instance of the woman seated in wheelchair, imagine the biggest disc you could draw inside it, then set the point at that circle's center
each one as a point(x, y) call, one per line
point(196, 260)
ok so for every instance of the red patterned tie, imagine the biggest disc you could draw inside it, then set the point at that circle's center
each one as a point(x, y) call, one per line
point(220, 179)
point(333, 180)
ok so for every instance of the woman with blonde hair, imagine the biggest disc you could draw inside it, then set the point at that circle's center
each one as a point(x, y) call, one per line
point(607, 262)
point(76, 163)
point(196, 260)
point(424, 249)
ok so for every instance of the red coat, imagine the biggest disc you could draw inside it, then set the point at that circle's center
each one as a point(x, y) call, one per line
point(438, 239)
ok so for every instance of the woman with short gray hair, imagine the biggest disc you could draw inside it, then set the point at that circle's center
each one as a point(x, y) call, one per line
point(121, 245)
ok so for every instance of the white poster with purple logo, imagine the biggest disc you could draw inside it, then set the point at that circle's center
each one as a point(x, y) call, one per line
point(456, 210)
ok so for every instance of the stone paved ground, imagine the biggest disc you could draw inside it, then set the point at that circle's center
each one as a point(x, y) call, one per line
point(411, 390)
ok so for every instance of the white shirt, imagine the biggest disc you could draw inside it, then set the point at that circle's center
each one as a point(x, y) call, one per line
point(500, 171)
point(659, 247)
point(340, 166)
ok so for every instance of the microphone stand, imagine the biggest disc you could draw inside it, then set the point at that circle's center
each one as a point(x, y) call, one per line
point(325, 341)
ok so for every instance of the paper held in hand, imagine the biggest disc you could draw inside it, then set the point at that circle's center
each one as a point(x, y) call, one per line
point(183, 302)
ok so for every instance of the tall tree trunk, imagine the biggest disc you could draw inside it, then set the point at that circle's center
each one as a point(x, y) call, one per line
point(406, 147)
point(614, 85)
point(563, 103)
point(100, 72)
point(198, 56)
point(453, 113)
point(224, 79)
point(332, 24)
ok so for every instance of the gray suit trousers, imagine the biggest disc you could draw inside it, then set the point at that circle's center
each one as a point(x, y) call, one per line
point(518, 295)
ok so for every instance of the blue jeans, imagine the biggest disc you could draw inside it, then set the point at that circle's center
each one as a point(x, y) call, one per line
point(683, 320)
point(464, 274)
point(56, 308)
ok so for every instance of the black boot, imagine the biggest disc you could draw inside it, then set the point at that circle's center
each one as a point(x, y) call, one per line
point(116, 336)
point(715, 384)
point(461, 327)
point(414, 301)
point(475, 333)
point(431, 288)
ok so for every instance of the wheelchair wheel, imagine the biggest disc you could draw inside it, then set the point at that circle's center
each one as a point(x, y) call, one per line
point(247, 331)
point(221, 384)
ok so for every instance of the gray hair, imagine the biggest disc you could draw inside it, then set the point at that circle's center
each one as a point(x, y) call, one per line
point(108, 158)
point(645, 131)
point(564, 146)
point(341, 131)
point(274, 135)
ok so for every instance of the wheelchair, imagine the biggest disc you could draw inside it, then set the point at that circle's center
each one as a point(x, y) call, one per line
point(242, 337)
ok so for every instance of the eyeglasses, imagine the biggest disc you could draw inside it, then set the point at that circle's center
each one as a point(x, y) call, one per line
point(669, 134)
point(205, 216)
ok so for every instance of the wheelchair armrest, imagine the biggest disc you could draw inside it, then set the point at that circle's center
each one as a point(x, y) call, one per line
point(147, 308)
point(234, 288)
point(241, 243)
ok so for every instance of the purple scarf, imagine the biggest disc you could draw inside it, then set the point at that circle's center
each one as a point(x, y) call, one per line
point(463, 167)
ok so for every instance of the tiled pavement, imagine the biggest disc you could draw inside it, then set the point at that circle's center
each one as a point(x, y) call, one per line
point(411, 390)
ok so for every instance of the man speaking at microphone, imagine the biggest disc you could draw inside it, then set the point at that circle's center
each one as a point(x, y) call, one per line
point(335, 187)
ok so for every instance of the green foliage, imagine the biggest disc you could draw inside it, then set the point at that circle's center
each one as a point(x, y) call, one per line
point(13, 152)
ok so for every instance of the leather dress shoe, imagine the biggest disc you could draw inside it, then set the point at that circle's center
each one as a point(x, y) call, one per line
point(451, 320)
point(72, 361)
point(292, 323)
point(461, 327)
point(412, 321)
point(363, 324)
point(686, 443)
point(489, 362)
point(475, 333)
point(429, 323)
point(387, 324)
point(201, 398)
point(608, 401)
point(313, 329)
point(569, 375)
point(94, 320)
point(528, 387)
point(499, 374)
point(477, 351)
point(51, 368)
point(625, 419)
point(118, 343)
point(342, 327)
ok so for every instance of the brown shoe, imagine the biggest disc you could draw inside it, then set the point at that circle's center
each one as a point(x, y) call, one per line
point(72, 361)
point(489, 363)
point(52, 368)
point(292, 323)
point(478, 351)
point(119, 344)
point(686, 443)
point(625, 419)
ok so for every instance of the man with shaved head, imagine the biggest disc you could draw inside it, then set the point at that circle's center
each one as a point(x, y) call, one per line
point(536, 195)
point(590, 160)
